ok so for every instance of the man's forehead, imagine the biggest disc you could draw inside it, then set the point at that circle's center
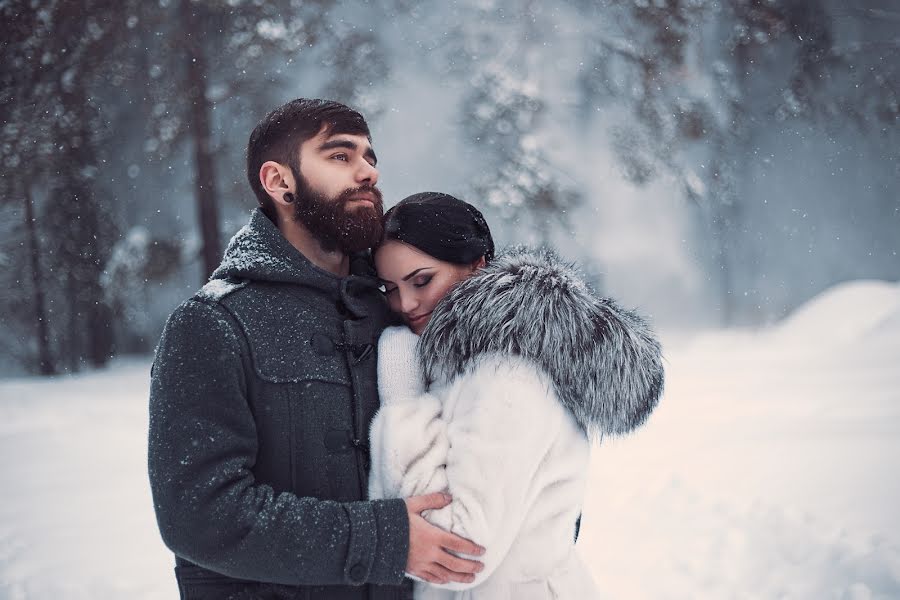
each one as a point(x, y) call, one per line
point(326, 133)
point(327, 140)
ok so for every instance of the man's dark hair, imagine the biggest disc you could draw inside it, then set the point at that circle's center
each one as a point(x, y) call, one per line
point(281, 132)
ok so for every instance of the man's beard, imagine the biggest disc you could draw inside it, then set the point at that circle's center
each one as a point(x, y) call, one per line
point(334, 226)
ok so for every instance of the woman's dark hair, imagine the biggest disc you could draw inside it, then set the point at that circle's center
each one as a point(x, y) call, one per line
point(281, 132)
point(441, 226)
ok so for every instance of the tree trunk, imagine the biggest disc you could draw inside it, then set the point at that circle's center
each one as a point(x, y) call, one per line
point(72, 346)
point(199, 115)
point(92, 332)
point(46, 365)
point(721, 231)
point(97, 314)
point(726, 197)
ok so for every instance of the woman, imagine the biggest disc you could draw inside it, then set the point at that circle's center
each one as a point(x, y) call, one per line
point(505, 369)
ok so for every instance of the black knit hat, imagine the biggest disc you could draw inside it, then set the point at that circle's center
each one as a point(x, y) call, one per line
point(441, 226)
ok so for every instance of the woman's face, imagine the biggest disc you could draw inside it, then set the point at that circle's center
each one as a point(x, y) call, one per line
point(415, 282)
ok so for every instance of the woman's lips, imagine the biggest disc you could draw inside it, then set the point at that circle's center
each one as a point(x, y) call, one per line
point(418, 320)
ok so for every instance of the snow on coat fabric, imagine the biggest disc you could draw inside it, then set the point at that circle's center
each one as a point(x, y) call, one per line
point(262, 391)
point(518, 366)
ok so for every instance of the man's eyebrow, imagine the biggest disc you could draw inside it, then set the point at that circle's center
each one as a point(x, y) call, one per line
point(349, 145)
point(413, 274)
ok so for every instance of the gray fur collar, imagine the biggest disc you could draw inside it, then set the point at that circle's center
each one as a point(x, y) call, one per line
point(604, 361)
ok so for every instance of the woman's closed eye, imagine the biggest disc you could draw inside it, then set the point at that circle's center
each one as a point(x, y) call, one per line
point(422, 281)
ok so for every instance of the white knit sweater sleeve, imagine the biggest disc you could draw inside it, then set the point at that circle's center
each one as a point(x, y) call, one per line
point(504, 421)
point(408, 437)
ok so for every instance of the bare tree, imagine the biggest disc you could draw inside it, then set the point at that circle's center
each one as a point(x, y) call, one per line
point(215, 51)
point(55, 135)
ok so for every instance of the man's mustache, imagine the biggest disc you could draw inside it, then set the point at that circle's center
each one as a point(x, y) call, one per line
point(346, 195)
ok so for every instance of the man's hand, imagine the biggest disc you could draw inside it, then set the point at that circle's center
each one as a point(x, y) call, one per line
point(429, 558)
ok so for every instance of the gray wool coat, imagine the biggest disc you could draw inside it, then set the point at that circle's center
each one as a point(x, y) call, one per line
point(263, 388)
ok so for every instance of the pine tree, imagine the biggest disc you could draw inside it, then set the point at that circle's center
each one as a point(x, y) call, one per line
point(693, 72)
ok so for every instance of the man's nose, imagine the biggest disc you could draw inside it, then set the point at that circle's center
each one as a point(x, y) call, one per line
point(367, 174)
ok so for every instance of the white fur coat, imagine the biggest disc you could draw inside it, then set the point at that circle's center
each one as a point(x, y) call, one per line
point(504, 424)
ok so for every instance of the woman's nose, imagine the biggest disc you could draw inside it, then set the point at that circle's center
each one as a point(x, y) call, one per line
point(408, 303)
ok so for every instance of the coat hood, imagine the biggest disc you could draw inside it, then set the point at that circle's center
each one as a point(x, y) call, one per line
point(604, 361)
point(259, 252)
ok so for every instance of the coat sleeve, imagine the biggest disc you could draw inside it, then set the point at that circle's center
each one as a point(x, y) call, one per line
point(408, 438)
point(502, 425)
point(409, 448)
point(210, 509)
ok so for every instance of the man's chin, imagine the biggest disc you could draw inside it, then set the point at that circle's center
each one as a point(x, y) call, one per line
point(361, 241)
point(349, 226)
point(363, 209)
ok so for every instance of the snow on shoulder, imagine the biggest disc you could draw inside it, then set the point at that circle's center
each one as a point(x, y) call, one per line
point(216, 289)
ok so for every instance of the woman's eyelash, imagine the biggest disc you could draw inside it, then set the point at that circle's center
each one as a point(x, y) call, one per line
point(423, 282)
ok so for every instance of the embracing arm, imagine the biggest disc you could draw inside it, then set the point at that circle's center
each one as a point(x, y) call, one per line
point(409, 445)
point(211, 510)
point(503, 424)
point(408, 436)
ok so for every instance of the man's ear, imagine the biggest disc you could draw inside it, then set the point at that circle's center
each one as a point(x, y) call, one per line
point(277, 180)
point(479, 264)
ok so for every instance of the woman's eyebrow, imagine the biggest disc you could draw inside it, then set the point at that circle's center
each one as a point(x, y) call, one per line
point(413, 274)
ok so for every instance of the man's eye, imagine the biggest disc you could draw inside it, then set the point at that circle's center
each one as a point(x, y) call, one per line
point(388, 291)
point(342, 157)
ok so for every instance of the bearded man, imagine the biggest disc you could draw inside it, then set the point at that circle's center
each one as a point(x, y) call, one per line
point(264, 385)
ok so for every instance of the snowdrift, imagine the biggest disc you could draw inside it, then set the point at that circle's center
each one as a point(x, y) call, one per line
point(855, 311)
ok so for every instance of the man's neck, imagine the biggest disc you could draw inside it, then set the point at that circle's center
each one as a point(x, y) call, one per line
point(335, 262)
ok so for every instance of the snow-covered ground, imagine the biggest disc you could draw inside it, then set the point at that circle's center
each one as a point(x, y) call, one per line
point(770, 470)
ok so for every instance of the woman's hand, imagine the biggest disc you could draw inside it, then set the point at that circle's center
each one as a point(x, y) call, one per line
point(399, 374)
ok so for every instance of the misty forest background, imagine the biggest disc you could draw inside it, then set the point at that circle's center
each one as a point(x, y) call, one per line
point(714, 163)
